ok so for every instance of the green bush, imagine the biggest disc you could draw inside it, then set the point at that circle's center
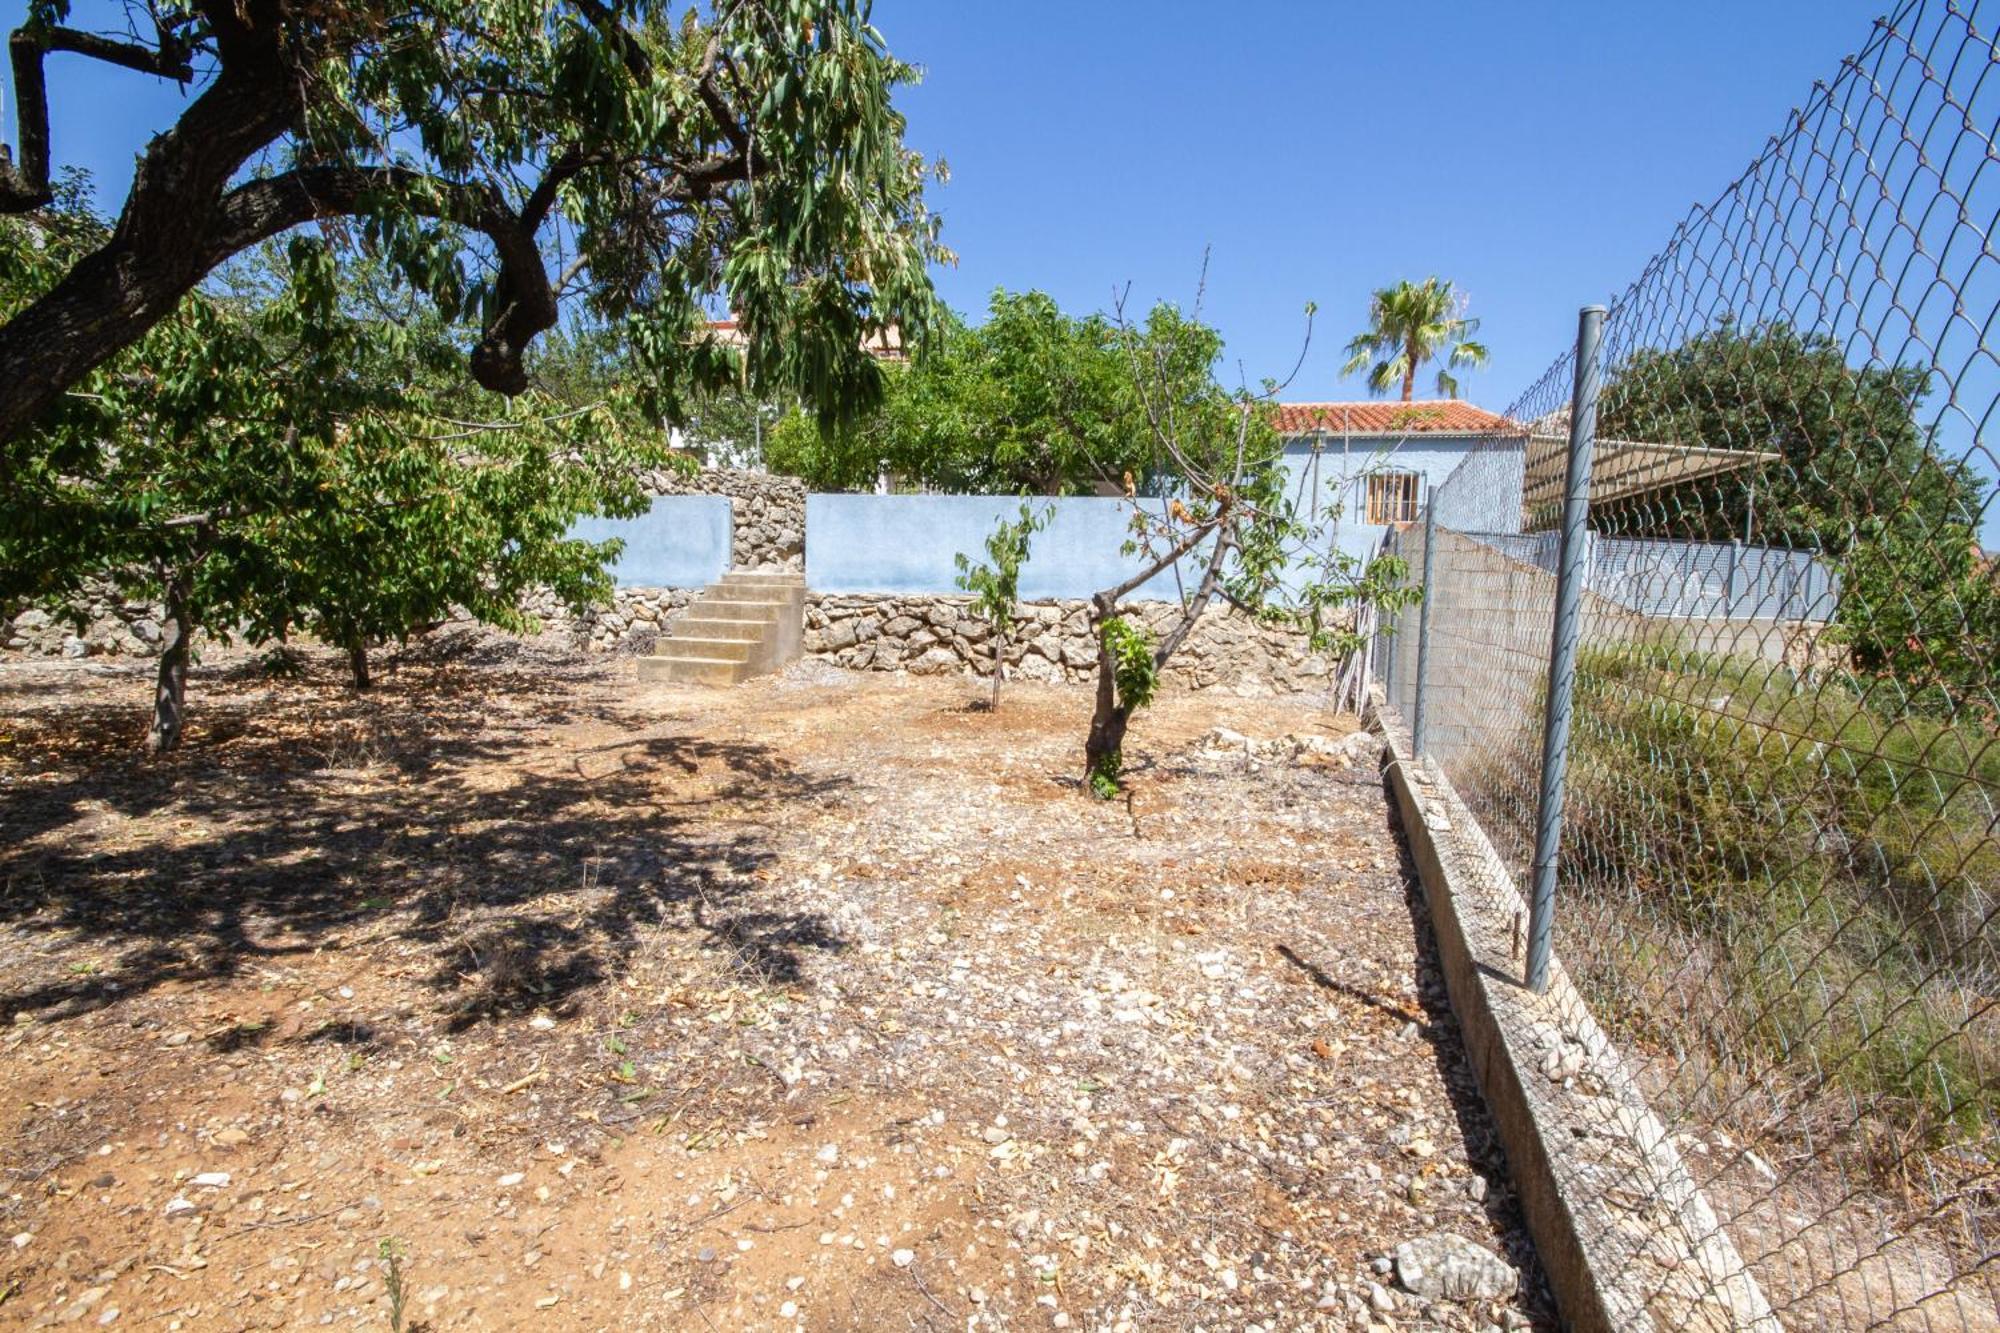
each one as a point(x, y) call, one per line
point(1812, 879)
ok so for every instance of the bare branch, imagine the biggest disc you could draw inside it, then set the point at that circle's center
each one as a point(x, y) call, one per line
point(1110, 596)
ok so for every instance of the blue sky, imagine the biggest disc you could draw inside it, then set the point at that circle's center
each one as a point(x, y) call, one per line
point(1536, 153)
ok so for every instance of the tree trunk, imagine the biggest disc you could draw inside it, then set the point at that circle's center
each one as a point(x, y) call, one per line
point(1409, 372)
point(1103, 750)
point(357, 661)
point(165, 240)
point(170, 687)
point(999, 665)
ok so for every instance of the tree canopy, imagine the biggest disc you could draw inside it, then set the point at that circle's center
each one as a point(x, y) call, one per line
point(499, 156)
point(1032, 400)
point(1412, 324)
point(284, 460)
point(1855, 477)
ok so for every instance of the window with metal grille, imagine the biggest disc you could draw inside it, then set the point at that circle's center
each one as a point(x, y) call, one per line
point(1392, 497)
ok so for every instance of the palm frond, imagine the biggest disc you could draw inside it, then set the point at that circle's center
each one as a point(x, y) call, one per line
point(1388, 372)
point(1412, 324)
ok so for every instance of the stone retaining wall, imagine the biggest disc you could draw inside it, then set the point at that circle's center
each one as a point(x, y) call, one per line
point(921, 634)
point(768, 512)
point(932, 635)
point(768, 532)
point(630, 624)
point(111, 626)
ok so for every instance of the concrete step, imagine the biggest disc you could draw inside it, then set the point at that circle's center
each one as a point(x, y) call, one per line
point(722, 650)
point(733, 608)
point(714, 627)
point(784, 594)
point(691, 670)
point(780, 578)
point(746, 625)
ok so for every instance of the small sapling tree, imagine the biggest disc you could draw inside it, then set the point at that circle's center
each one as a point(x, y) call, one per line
point(1228, 519)
point(996, 587)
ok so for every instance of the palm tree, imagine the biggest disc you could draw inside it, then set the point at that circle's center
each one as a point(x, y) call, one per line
point(1409, 324)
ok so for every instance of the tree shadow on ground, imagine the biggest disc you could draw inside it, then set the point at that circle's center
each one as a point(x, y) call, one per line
point(515, 874)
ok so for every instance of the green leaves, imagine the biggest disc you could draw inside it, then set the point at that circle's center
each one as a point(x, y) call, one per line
point(1032, 400)
point(298, 455)
point(1854, 477)
point(748, 158)
point(1133, 669)
point(997, 586)
point(1409, 325)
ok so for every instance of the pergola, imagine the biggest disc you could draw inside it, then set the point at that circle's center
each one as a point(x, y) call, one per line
point(1621, 469)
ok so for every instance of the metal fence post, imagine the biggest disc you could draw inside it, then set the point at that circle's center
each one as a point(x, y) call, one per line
point(1419, 735)
point(1389, 638)
point(1571, 573)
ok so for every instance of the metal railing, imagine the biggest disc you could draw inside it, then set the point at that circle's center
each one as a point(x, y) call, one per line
point(1707, 657)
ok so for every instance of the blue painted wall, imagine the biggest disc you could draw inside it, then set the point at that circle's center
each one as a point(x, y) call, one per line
point(1331, 476)
point(905, 543)
point(682, 542)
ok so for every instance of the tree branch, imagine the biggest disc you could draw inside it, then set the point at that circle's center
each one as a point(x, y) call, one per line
point(26, 187)
point(637, 62)
point(526, 304)
point(1109, 597)
point(1224, 539)
point(167, 61)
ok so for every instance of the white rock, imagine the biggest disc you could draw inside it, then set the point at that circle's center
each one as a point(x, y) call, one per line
point(211, 1180)
point(902, 1258)
point(1443, 1266)
point(180, 1208)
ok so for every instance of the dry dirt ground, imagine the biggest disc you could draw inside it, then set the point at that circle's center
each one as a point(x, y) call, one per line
point(825, 1002)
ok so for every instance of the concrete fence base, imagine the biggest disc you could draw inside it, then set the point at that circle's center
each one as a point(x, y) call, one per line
point(1625, 1235)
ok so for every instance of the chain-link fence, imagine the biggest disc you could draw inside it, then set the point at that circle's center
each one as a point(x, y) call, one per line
point(1778, 865)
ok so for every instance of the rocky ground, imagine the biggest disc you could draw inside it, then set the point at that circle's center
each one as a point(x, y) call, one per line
point(826, 1002)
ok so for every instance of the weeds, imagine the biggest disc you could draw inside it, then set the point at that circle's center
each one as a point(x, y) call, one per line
point(391, 1252)
point(1812, 878)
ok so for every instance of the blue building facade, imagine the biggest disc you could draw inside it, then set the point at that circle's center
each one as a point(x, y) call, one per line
point(1367, 468)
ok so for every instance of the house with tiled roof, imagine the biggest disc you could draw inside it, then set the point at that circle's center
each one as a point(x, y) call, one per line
point(1368, 464)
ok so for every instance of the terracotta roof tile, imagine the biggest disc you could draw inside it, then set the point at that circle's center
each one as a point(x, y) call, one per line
point(1442, 417)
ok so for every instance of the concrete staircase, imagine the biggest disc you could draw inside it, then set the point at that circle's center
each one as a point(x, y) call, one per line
point(748, 624)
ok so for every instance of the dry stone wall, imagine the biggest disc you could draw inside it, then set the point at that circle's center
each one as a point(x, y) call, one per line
point(768, 522)
point(768, 512)
point(934, 635)
point(634, 619)
point(923, 635)
point(105, 624)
